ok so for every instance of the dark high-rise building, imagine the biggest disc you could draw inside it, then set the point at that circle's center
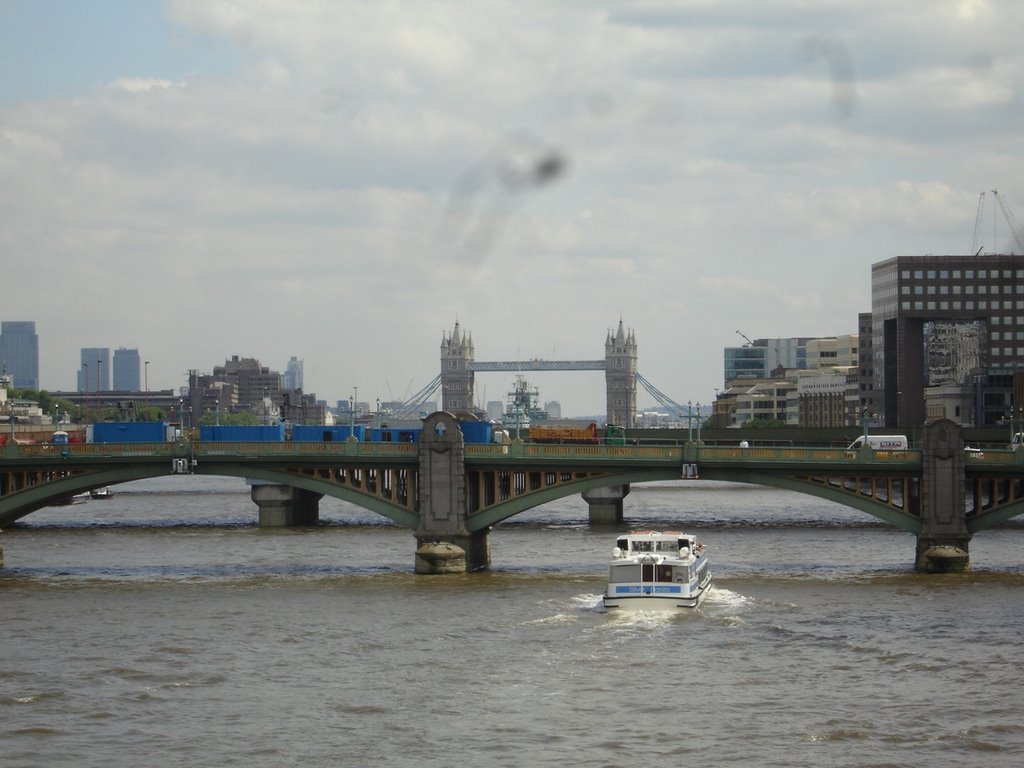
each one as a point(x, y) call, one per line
point(941, 322)
point(19, 352)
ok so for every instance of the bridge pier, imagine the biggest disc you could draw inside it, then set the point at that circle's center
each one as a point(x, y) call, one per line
point(444, 542)
point(943, 542)
point(606, 504)
point(284, 506)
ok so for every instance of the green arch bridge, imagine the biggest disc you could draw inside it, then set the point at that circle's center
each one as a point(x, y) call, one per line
point(451, 493)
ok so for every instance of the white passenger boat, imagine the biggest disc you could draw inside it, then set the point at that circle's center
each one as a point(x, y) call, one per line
point(655, 570)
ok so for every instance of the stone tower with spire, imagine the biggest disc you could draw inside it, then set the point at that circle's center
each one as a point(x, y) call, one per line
point(456, 378)
point(620, 377)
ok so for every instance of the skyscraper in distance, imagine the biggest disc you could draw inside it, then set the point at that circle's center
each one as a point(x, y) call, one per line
point(19, 352)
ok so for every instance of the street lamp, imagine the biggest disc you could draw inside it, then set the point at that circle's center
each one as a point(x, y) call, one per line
point(351, 415)
point(85, 386)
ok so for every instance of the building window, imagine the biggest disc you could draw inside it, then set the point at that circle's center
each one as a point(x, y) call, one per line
point(918, 274)
point(944, 274)
point(904, 305)
point(918, 305)
point(956, 274)
point(956, 305)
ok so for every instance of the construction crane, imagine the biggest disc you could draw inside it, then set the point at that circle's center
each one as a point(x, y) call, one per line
point(975, 248)
point(749, 342)
point(1015, 230)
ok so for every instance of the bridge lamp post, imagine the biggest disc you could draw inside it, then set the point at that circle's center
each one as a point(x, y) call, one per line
point(351, 415)
point(378, 413)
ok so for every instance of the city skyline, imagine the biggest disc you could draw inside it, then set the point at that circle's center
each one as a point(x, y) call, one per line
point(342, 181)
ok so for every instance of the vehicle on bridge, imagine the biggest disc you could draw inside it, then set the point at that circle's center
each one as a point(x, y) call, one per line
point(655, 570)
point(881, 443)
point(591, 434)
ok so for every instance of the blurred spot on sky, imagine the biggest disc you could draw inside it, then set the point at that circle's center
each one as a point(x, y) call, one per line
point(840, 65)
point(486, 194)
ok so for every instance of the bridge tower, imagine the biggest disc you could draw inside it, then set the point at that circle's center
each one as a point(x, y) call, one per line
point(620, 377)
point(456, 377)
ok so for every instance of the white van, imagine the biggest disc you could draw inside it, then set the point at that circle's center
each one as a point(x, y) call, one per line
point(881, 443)
point(1017, 441)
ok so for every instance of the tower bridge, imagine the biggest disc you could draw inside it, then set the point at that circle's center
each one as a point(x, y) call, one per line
point(459, 364)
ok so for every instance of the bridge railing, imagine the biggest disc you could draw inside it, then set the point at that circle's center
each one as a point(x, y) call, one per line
point(690, 452)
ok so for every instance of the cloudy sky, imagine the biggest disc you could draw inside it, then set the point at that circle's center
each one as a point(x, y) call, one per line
point(342, 181)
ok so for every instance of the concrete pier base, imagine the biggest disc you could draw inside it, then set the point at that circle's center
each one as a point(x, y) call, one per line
point(942, 558)
point(606, 504)
point(461, 554)
point(284, 506)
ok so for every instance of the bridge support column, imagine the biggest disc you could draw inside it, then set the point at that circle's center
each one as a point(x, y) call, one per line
point(606, 504)
point(942, 544)
point(444, 542)
point(284, 506)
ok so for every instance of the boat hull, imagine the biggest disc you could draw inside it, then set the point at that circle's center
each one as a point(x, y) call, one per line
point(654, 597)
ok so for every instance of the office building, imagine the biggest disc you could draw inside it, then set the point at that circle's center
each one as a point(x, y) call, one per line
point(946, 322)
point(760, 358)
point(19, 353)
point(126, 370)
point(292, 378)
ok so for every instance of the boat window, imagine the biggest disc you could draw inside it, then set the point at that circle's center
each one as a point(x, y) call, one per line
point(643, 546)
point(667, 546)
point(664, 573)
point(623, 544)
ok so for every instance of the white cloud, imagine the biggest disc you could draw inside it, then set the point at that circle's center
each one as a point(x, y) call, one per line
point(712, 176)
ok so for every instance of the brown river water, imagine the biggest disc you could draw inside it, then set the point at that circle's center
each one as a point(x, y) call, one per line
point(162, 627)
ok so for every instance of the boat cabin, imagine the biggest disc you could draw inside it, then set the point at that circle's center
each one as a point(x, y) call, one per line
point(667, 544)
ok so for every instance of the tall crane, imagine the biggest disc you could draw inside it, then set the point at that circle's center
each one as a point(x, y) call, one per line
point(975, 248)
point(1015, 230)
point(749, 342)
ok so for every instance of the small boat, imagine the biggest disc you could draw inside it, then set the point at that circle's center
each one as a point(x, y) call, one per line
point(101, 493)
point(655, 570)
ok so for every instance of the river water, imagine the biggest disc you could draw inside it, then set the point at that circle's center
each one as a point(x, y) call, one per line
point(162, 627)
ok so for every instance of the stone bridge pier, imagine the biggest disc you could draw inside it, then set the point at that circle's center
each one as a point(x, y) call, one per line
point(943, 541)
point(444, 543)
point(283, 505)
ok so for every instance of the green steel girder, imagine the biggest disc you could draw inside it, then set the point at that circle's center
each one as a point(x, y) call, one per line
point(505, 509)
point(393, 512)
point(898, 518)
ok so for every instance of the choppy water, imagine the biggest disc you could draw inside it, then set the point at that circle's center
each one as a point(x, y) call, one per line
point(162, 627)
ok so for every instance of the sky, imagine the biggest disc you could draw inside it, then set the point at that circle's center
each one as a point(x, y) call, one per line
point(344, 181)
